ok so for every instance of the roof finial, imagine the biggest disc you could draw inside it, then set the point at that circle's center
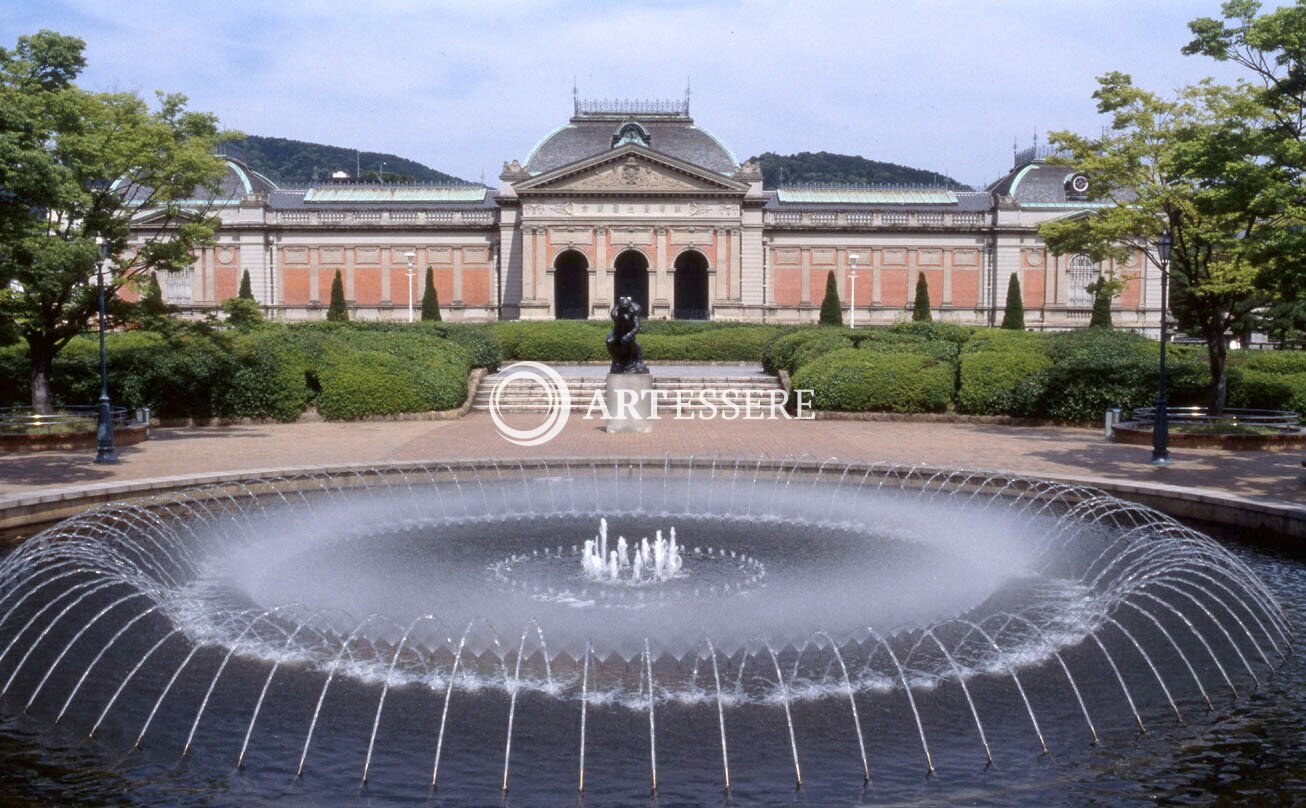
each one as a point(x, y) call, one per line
point(687, 91)
point(1036, 137)
point(575, 95)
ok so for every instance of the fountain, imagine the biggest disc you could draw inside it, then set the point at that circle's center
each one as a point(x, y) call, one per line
point(466, 629)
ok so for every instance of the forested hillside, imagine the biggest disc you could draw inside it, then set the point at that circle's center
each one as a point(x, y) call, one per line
point(297, 162)
point(824, 167)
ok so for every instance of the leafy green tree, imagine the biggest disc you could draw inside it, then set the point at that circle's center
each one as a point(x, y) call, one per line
point(920, 310)
point(430, 299)
point(1272, 48)
point(245, 293)
point(152, 312)
point(1186, 164)
point(242, 312)
point(337, 311)
point(831, 308)
point(76, 167)
point(1013, 316)
point(1283, 321)
point(1101, 317)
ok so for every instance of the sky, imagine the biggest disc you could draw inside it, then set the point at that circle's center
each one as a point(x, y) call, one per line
point(463, 86)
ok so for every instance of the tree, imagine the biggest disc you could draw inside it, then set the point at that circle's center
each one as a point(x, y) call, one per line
point(1186, 164)
point(337, 312)
point(920, 310)
point(242, 312)
point(76, 167)
point(245, 293)
point(1013, 317)
point(1101, 317)
point(1272, 47)
point(831, 308)
point(152, 312)
point(430, 299)
point(1283, 321)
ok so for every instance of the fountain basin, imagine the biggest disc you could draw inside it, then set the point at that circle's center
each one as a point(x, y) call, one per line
point(285, 622)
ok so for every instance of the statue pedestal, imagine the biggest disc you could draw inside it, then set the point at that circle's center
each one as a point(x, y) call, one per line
point(629, 399)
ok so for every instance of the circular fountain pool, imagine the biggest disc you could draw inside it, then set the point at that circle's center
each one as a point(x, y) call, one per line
point(621, 627)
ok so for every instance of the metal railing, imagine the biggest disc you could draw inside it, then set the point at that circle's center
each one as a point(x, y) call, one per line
point(74, 418)
point(1231, 417)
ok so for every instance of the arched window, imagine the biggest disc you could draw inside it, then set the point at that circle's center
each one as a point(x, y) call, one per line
point(1081, 272)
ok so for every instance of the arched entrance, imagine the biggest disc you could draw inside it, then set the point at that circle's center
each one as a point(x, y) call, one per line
point(571, 286)
point(632, 278)
point(691, 301)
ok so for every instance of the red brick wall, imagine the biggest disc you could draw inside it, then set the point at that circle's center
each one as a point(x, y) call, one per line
point(367, 285)
point(934, 279)
point(893, 287)
point(965, 287)
point(1031, 288)
point(294, 285)
point(477, 287)
point(226, 281)
point(788, 289)
point(1132, 293)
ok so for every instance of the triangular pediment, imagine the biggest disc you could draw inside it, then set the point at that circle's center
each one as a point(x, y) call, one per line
point(631, 169)
point(162, 216)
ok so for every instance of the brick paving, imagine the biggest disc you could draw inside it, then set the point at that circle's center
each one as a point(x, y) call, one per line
point(1048, 451)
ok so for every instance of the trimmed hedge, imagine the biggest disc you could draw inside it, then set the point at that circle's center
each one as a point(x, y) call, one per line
point(1269, 391)
point(855, 380)
point(1001, 382)
point(781, 352)
point(1275, 362)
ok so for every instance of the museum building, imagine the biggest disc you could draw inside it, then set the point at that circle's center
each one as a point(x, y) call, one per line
point(635, 199)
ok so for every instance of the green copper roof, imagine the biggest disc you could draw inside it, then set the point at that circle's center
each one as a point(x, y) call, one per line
point(868, 196)
point(396, 193)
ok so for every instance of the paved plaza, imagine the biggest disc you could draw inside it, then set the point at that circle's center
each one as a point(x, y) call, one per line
point(1060, 452)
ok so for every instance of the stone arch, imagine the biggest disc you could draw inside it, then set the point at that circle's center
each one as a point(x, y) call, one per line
point(691, 295)
point(630, 278)
point(571, 285)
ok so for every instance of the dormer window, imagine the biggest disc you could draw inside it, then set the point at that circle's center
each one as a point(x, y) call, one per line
point(632, 132)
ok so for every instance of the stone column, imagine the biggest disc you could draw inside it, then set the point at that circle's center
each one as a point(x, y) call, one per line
point(349, 275)
point(457, 278)
point(387, 257)
point(736, 265)
point(596, 272)
point(314, 282)
point(658, 297)
point(806, 280)
point(528, 265)
point(947, 277)
point(874, 267)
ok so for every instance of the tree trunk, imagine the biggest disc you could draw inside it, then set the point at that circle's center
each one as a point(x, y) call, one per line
point(42, 361)
point(1217, 354)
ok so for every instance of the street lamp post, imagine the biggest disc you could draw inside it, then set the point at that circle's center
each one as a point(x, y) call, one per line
point(1160, 420)
point(104, 450)
point(380, 175)
point(410, 255)
point(852, 292)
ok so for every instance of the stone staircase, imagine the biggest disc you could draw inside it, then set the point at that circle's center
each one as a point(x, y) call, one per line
point(527, 397)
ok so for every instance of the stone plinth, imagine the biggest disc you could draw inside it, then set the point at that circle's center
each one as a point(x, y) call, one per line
point(629, 401)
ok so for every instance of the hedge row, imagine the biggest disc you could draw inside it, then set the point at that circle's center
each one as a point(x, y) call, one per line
point(584, 341)
point(857, 380)
point(270, 372)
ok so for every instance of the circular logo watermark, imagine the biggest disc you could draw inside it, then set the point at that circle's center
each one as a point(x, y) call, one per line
point(558, 403)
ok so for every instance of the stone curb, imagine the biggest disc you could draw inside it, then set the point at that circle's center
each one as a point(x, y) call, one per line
point(1283, 519)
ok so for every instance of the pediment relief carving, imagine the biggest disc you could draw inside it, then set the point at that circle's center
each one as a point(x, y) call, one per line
point(629, 173)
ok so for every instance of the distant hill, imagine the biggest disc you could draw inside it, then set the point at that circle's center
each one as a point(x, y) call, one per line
point(297, 163)
point(824, 167)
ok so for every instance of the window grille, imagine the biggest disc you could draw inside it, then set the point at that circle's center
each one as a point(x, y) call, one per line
point(1081, 272)
point(177, 285)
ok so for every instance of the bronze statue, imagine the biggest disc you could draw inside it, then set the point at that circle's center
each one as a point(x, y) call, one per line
point(627, 356)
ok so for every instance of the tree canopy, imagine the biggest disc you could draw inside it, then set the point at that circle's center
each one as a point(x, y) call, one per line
point(1187, 164)
point(78, 168)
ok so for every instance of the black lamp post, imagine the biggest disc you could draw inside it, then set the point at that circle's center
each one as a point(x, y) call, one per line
point(104, 451)
point(1160, 422)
